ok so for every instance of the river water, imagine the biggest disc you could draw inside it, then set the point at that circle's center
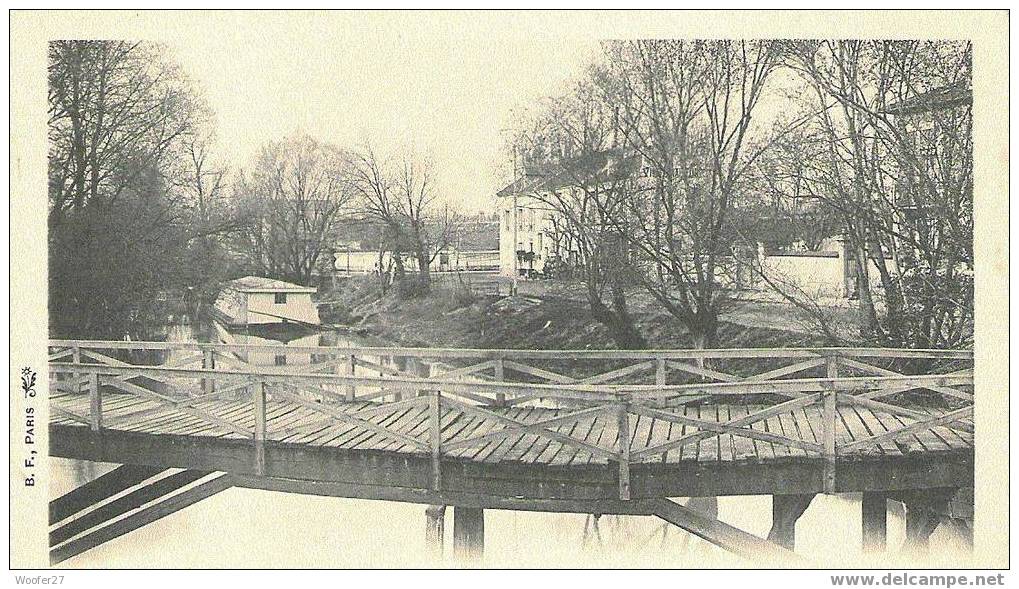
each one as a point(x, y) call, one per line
point(252, 528)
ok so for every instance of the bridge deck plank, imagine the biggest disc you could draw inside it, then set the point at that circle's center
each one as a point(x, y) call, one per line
point(743, 447)
point(318, 435)
point(554, 448)
point(856, 428)
point(484, 426)
point(505, 444)
point(360, 438)
point(304, 426)
point(491, 447)
point(413, 425)
point(341, 431)
point(403, 420)
point(585, 431)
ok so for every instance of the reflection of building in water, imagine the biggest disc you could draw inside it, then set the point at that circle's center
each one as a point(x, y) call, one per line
point(280, 356)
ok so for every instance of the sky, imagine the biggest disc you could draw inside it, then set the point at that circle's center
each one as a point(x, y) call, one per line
point(448, 94)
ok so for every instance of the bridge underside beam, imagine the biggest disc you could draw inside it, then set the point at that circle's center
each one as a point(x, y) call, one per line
point(443, 498)
point(138, 496)
point(723, 535)
point(148, 503)
point(119, 479)
point(413, 472)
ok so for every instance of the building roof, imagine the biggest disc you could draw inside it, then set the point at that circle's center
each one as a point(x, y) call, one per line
point(603, 164)
point(260, 284)
point(939, 98)
point(477, 236)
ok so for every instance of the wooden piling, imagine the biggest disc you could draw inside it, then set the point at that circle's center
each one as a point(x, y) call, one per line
point(920, 524)
point(874, 515)
point(468, 532)
point(785, 512)
point(95, 396)
point(435, 522)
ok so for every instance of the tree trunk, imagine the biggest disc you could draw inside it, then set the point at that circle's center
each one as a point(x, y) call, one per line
point(424, 271)
point(868, 316)
point(619, 322)
point(704, 329)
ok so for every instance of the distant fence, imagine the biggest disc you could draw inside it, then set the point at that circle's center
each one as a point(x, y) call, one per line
point(364, 262)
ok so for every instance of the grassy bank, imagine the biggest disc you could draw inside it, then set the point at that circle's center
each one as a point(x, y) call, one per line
point(451, 317)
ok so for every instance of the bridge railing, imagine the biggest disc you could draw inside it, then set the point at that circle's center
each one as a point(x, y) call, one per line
point(463, 404)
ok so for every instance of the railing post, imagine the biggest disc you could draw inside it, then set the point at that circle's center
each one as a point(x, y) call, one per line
point(829, 418)
point(410, 366)
point(623, 447)
point(76, 377)
point(500, 376)
point(348, 370)
point(95, 398)
point(660, 371)
point(258, 400)
point(208, 363)
point(435, 437)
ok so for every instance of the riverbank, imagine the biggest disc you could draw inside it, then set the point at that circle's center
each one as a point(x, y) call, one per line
point(451, 316)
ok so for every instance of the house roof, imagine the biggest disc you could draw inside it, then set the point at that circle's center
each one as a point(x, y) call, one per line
point(603, 164)
point(260, 284)
point(939, 98)
point(477, 236)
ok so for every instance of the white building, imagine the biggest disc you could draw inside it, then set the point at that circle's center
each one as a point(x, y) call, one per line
point(472, 246)
point(528, 237)
point(253, 300)
point(527, 233)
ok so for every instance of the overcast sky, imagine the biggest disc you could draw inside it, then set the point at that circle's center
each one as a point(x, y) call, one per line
point(448, 94)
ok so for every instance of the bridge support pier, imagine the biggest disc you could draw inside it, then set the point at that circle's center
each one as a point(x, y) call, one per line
point(785, 511)
point(468, 532)
point(924, 510)
point(874, 516)
point(921, 522)
point(435, 524)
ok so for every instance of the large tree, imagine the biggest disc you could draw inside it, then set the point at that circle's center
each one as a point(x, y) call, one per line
point(400, 195)
point(290, 199)
point(120, 118)
point(686, 110)
point(890, 149)
point(578, 171)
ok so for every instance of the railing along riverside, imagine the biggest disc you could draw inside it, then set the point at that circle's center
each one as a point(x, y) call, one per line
point(939, 400)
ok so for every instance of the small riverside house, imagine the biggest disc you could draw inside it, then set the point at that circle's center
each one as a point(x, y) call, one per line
point(253, 300)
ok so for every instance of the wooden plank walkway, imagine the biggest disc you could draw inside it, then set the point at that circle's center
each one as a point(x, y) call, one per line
point(398, 424)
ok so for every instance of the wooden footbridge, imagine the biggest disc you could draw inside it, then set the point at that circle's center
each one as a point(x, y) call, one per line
point(597, 432)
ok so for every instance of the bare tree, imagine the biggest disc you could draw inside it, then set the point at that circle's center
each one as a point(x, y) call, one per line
point(903, 191)
point(570, 150)
point(401, 196)
point(685, 109)
point(291, 198)
point(116, 110)
point(120, 117)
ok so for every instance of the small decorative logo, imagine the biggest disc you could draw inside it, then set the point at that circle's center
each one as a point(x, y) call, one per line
point(28, 382)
